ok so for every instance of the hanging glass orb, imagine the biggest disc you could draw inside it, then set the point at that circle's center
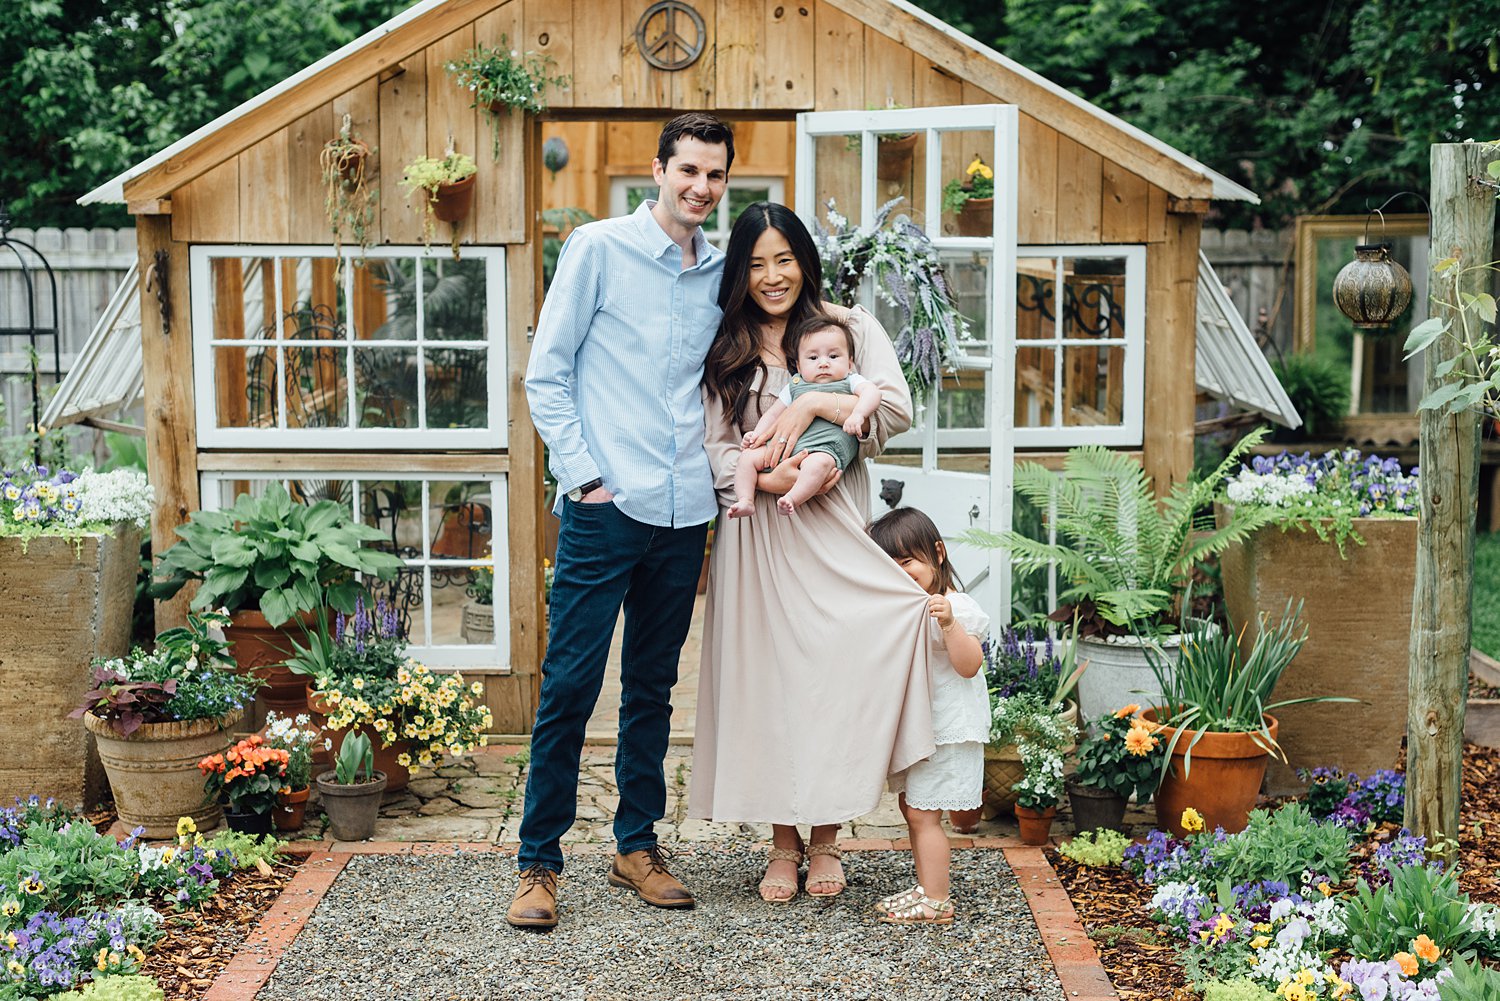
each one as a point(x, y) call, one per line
point(555, 154)
point(1372, 290)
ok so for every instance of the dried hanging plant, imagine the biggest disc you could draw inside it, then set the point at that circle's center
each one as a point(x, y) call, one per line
point(350, 196)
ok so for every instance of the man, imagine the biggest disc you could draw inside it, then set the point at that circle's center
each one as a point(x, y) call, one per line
point(613, 387)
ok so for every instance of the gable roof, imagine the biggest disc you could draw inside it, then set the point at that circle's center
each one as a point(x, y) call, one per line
point(430, 20)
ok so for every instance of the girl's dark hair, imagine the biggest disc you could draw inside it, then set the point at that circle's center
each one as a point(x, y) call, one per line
point(907, 533)
point(699, 125)
point(811, 325)
point(734, 357)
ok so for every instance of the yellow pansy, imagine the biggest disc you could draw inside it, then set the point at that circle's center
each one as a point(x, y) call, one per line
point(981, 168)
point(1260, 941)
point(1192, 820)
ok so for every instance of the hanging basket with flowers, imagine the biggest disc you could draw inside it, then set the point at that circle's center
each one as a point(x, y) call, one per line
point(501, 78)
point(447, 186)
point(972, 198)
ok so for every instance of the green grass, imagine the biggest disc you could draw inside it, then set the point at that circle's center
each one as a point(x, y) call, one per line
point(1487, 593)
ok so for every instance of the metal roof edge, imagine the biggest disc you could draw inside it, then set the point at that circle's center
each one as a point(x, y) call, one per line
point(1242, 339)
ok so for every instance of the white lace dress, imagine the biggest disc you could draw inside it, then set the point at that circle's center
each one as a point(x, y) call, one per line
point(953, 778)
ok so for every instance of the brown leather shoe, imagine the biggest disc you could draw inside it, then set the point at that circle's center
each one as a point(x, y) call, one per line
point(646, 873)
point(535, 902)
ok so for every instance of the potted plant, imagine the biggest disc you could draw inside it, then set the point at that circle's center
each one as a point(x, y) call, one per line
point(447, 187)
point(351, 791)
point(267, 560)
point(1120, 756)
point(296, 738)
point(1215, 717)
point(1341, 537)
point(479, 610)
point(1127, 559)
point(246, 780)
point(362, 679)
point(155, 713)
point(350, 197)
point(67, 541)
point(972, 199)
point(1018, 663)
point(1031, 723)
point(501, 79)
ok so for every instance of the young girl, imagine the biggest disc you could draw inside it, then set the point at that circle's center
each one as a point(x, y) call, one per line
point(953, 778)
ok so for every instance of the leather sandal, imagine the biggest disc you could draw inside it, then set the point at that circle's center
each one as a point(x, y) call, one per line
point(770, 882)
point(833, 851)
point(898, 901)
point(922, 911)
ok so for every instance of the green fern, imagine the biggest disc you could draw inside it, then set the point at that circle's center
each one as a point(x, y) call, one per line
point(1119, 549)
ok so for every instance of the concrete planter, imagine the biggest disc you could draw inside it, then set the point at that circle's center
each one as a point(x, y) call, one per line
point(478, 623)
point(1482, 722)
point(154, 772)
point(1119, 674)
point(1358, 616)
point(66, 601)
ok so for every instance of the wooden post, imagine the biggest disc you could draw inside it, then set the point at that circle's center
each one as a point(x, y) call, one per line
point(1463, 219)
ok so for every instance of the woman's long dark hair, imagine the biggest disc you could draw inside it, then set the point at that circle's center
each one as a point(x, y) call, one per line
point(734, 358)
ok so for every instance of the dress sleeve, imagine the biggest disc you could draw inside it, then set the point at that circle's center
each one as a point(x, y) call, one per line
point(875, 359)
point(970, 617)
point(721, 439)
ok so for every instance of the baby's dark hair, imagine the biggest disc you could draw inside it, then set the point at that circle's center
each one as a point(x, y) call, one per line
point(792, 340)
point(907, 533)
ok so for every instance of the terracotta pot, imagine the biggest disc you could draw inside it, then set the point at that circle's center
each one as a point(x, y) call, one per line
point(249, 822)
point(261, 649)
point(965, 821)
point(291, 809)
point(453, 199)
point(353, 159)
point(352, 809)
point(1036, 825)
point(1221, 780)
point(397, 775)
point(977, 217)
point(1095, 808)
point(154, 772)
point(893, 157)
point(1002, 765)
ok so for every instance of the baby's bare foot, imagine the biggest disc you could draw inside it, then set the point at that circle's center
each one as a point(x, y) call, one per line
point(785, 505)
point(741, 509)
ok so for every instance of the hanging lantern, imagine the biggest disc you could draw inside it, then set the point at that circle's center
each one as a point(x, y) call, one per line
point(1372, 290)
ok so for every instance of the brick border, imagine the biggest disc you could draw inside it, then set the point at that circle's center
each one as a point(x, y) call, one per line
point(1068, 946)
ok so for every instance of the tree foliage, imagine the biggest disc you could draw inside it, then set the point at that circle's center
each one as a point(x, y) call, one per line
point(1321, 107)
point(103, 84)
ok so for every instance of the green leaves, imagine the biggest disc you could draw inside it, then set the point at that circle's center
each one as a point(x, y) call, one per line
point(1423, 334)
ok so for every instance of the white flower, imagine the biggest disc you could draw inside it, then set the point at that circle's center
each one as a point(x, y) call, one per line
point(120, 495)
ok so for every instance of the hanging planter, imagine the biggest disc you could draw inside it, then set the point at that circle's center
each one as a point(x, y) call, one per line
point(1372, 290)
point(972, 199)
point(502, 78)
point(350, 197)
point(447, 187)
point(894, 155)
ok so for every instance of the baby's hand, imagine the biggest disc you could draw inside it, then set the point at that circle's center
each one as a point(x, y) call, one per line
point(748, 440)
point(854, 426)
point(941, 609)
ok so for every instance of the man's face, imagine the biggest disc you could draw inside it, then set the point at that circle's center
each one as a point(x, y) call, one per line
point(692, 181)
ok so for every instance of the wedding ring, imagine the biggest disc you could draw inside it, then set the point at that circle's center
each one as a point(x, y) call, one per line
point(781, 441)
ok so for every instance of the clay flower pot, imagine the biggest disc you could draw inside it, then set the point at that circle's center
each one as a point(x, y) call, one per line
point(893, 156)
point(977, 217)
point(154, 772)
point(291, 809)
point(1221, 783)
point(261, 649)
point(1036, 825)
point(453, 199)
point(352, 809)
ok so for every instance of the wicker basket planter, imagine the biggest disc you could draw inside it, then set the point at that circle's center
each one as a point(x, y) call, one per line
point(1002, 766)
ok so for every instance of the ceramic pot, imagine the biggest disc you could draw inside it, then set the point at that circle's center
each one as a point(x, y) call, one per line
point(1036, 825)
point(1221, 780)
point(453, 199)
point(397, 775)
point(291, 809)
point(154, 772)
point(261, 649)
point(1095, 808)
point(352, 809)
point(1002, 765)
point(249, 822)
point(478, 623)
point(893, 157)
point(977, 217)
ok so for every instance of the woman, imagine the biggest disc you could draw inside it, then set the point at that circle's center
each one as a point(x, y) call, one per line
point(813, 686)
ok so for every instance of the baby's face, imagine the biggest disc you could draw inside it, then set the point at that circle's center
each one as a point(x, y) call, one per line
point(823, 356)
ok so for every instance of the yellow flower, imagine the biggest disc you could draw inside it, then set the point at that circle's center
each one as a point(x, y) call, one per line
point(32, 886)
point(1325, 889)
point(1426, 948)
point(358, 683)
point(403, 676)
point(10, 908)
point(1260, 942)
point(1129, 710)
point(381, 725)
point(1306, 977)
point(168, 854)
point(1139, 740)
point(421, 669)
point(1223, 925)
point(1263, 928)
point(1192, 820)
point(981, 168)
point(185, 826)
point(10, 940)
point(403, 759)
point(15, 968)
point(135, 953)
point(477, 688)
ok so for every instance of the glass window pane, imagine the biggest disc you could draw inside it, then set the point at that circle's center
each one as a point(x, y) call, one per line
point(246, 388)
point(1094, 297)
point(634, 196)
point(404, 593)
point(453, 305)
point(901, 172)
point(968, 198)
point(961, 401)
point(311, 301)
point(460, 520)
point(240, 310)
point(394, 507)
point(1093, 385)
point(968, 276)
point(836, 173)
point(385, 299)
point(316, 387)
point(457, 388)
point(478, 620)
point(1034, 379)
point(385, 387)
point(1036, 292)
point(739, 198)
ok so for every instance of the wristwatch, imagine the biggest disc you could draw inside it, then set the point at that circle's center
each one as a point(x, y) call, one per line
point(576, 494)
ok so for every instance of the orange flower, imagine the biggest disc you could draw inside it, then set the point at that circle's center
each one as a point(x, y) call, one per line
point(1139, 741)
point(1129, 710)
point(1407, 962)
point(1426, 948)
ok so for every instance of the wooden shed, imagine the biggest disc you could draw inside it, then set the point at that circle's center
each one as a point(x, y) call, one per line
point(393, 381)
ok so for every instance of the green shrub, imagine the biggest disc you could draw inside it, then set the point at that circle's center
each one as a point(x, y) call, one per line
point(1280, 846)
point(1470, 982)
point(1418, 900)
point(1096, 848)
point(65, 869)
point(246, 848)
point(1238, 989)
point(133, 987)
point(1318, 388)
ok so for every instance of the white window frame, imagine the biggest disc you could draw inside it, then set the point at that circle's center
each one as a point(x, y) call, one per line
point(212, 435)
point(493, 656)
point(718, 234)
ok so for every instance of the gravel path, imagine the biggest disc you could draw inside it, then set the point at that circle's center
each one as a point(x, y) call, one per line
point(432, 927)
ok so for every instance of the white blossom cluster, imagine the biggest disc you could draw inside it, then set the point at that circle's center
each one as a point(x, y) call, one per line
point(1269, 489)
point(120, 495)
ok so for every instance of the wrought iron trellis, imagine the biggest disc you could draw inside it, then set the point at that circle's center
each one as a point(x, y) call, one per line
point(1088, 307)
point(31, 331)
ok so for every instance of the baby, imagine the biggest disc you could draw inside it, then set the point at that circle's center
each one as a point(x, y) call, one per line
point(821, 349)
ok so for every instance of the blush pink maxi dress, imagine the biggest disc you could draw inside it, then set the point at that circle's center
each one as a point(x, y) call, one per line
point(814, 679)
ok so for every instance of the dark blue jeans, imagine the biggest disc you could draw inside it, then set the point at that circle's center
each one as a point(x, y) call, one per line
point(606, 559)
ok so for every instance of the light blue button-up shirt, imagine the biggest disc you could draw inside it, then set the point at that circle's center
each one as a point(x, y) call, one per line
point(616, 364)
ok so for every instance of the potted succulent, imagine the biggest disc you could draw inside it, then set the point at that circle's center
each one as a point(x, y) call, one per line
point(1031, 723)
point(479, 610)
point(1215, 718)
point(350, 197)
point(266, 561)
point(501, 79)
point(296, 738)
point(246, 780)
point(1126, 558)
point(1120, 756)
point(155, 713)
point(972, 199)
point(447, 186)
point(1019, 663)
point(351, 791)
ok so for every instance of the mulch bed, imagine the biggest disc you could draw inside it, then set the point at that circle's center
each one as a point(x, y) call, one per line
point(1140, 960)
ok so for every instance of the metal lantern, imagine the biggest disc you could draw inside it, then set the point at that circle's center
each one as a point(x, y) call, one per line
point(1372, 290)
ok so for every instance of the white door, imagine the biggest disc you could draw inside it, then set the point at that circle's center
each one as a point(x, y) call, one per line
point(862, 160)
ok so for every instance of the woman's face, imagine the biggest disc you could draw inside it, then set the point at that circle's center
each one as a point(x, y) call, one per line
point(775, 276)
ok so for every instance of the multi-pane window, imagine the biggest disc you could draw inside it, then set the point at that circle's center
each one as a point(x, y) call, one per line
point(449, 530)
point(627, 194)
point(404, 348)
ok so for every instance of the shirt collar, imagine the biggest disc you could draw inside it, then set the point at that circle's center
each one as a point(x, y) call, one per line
point(659, 242)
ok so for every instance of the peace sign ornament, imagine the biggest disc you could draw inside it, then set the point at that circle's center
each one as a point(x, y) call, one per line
point(660, 39)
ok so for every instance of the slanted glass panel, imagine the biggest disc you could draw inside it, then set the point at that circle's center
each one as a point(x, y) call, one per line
point(836, 173)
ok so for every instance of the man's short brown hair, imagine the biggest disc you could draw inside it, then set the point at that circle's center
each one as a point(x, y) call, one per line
point(699, 125)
